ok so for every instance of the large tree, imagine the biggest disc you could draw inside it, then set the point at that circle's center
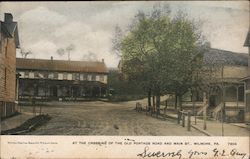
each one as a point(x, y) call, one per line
point(159, 51)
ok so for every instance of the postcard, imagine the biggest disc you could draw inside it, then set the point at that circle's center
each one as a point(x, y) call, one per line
point(125, 79)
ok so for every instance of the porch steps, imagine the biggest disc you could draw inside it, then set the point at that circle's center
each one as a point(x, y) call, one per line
point(217, 110)
point(201, 110)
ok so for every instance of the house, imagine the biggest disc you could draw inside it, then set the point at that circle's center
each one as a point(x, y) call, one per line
point(9, 41)
point(227, 89)
point(61, 80)
point(247, 82)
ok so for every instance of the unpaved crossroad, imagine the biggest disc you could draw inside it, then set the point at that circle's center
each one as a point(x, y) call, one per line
point(103, 118)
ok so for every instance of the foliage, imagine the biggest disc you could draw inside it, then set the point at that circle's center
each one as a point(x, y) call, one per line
point(123, 87)
point(25, 54)
point(162, 52)
point(67, 50)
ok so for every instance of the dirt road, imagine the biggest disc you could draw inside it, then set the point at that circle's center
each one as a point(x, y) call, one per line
point(103, 118)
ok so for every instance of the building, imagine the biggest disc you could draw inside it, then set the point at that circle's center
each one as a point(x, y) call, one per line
point(61, 80)
point(247, 82)
point(227, 88)
point(9, 41)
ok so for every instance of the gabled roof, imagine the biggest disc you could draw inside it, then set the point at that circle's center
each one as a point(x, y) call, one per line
point(247, 42)
point(216, 56)
point(61, 65)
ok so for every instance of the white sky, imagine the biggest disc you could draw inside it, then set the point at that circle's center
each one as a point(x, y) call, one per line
point(45, 27)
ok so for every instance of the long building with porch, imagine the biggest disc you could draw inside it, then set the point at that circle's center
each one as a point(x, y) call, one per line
point(42, 79)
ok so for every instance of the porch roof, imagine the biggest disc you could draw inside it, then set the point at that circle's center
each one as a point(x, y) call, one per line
point(61, 65)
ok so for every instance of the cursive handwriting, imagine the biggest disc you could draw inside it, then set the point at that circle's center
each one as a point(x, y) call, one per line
point(148, 153)
point(193, 153)
point(232, 153)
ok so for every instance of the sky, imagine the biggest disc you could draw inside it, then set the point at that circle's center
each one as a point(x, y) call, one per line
point(45, 27)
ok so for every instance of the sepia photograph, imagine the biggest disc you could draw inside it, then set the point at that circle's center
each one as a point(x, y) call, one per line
point(147, 69)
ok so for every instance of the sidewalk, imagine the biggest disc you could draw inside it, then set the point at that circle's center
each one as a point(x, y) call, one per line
point(215, 128)
point(15, 121)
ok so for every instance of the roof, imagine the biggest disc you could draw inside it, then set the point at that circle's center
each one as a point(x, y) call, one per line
point(247, 42)
point(61, 65)
point(226, 57)
point(10, 30)
point(245, 78)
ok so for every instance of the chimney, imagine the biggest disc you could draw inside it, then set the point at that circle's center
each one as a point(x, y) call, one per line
point(8, 18)
point(102, 60)
point(51, 58)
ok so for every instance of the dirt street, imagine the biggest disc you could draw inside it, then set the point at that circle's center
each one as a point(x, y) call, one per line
point(103, 118)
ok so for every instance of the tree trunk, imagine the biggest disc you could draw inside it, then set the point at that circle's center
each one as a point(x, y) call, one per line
point(158, 100)
point(153, 103)
point(175, 103)
point(179, 101)
point(193, 102)
point(149, 99)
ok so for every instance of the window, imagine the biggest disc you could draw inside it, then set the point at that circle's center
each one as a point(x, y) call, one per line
point(105, 79)
point(21, 74)
point(36, 74)
point(69, 76)
point(89, 77)
point(60, 76)
point(45, 74)
point(97, 78)
point(77, 76)
point(101, 78)
point(31, 75)
point(84, 76)
point(26, 74)
point(64, 76)
point(41, 75)
point(81, 77)
point(93, 78)
point(55, 75)
point(51, 76)
point(74, 76)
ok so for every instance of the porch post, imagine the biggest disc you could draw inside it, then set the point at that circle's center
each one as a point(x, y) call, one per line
point(246, 109)
point(193, 102)
point(204, 110)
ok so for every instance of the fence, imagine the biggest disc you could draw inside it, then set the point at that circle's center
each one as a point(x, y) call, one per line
point(181, 119)
point(7, 109)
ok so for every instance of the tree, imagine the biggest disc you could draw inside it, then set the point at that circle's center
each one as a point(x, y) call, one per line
point(60, 52)
point(25, 54)
point(159, 50)
point(68, 49)
point(116, 41)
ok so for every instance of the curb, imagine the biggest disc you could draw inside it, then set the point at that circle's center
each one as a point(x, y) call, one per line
point(195, 127)
point(241, 126)
point(202, 131)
